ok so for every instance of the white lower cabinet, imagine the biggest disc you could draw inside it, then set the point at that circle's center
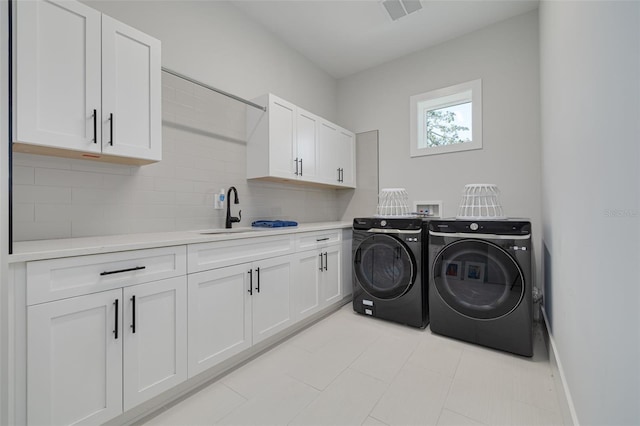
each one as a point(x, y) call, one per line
point(219, 316)
point(307, 272)
point(272, 297)
point(332, 275)
point(155, 339)
point(235, 307)
point(74, 361)
point(91, 357)
point(318, 275)
point(108, 332)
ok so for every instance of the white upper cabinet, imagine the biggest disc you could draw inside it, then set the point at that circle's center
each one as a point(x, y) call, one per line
point(58, 75)
point(346, 158)
point(131, 95)
point(337, 156)
point(86, 86)
point(288, 143)
point(307, 144)
point(282, 125)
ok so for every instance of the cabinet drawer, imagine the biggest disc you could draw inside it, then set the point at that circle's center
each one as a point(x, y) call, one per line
point(61, 278)
point(205, 256)
point(318, 239)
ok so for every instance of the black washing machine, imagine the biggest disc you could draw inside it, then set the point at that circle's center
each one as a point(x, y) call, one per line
point(387, 270)
point(481, 282)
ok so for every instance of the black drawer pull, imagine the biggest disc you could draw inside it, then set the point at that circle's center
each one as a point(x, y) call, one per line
point(137, 268)
point(133, 314)
point(115, 330)
point(95, 126)
point(111, 129)
point(250, 282)
point(322, 239)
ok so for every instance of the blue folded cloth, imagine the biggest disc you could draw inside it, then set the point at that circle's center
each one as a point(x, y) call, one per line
point(273, 223)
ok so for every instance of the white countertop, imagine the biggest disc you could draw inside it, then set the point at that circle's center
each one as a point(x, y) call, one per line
point(49, 249)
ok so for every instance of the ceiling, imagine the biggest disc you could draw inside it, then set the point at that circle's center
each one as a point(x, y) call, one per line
point(344, 37)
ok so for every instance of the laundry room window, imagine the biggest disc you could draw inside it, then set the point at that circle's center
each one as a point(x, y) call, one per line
point(447, 119)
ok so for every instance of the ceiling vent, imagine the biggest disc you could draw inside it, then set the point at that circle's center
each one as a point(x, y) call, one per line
point(399, 8)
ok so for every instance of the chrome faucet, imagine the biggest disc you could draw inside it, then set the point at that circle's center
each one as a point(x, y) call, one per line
point(231, 219)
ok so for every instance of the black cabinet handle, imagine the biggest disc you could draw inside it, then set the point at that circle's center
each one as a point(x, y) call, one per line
point(133, 314)
point(338, 174)
point(111, 129)
point(115, 330)
point(250, 282)
point(326, 261)
point(95, 126)
point(321, 266)
point(258, 273)
point(301, 167)
point(296, 160)
point(322, 239)
point(136, 268)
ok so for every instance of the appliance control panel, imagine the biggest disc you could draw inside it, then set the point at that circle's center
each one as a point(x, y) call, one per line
point(496, 227)
point(410, 223)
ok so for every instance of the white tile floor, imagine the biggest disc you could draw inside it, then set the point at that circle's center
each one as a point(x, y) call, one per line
point(352, 370)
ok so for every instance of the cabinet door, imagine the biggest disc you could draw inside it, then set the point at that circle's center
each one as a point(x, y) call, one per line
point(307, 144)
point(131, 90)
point(331, 290)
point(272, 298)
point(307, 283)
point(155, 338)
point(58, 75)
point(282, 142)
point(329, 154)
point(346, 157)
point(74, 360)
point(219, 311)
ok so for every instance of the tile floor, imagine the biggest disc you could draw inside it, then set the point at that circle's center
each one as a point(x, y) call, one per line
point(352, 370)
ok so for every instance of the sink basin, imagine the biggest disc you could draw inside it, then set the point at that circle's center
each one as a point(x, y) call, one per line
point(223, 231)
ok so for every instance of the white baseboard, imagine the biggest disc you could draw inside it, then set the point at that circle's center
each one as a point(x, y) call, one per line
point(564, 393)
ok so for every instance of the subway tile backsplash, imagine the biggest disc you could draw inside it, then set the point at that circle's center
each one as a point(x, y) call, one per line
point(204, 149)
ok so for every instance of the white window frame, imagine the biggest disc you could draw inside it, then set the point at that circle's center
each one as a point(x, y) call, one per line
point(442, 98)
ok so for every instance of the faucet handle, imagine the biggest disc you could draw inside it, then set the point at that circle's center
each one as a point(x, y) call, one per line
point(237, 219)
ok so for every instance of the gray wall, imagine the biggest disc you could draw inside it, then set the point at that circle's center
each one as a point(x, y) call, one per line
point(505, 57)
point(590, 102)
point(214, 42)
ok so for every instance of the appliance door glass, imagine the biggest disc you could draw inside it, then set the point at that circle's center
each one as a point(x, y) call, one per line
point(478, 279)
point(384, 266)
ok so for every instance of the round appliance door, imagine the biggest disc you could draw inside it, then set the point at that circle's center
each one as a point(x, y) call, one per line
point(478, 279)
point(384, 266)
